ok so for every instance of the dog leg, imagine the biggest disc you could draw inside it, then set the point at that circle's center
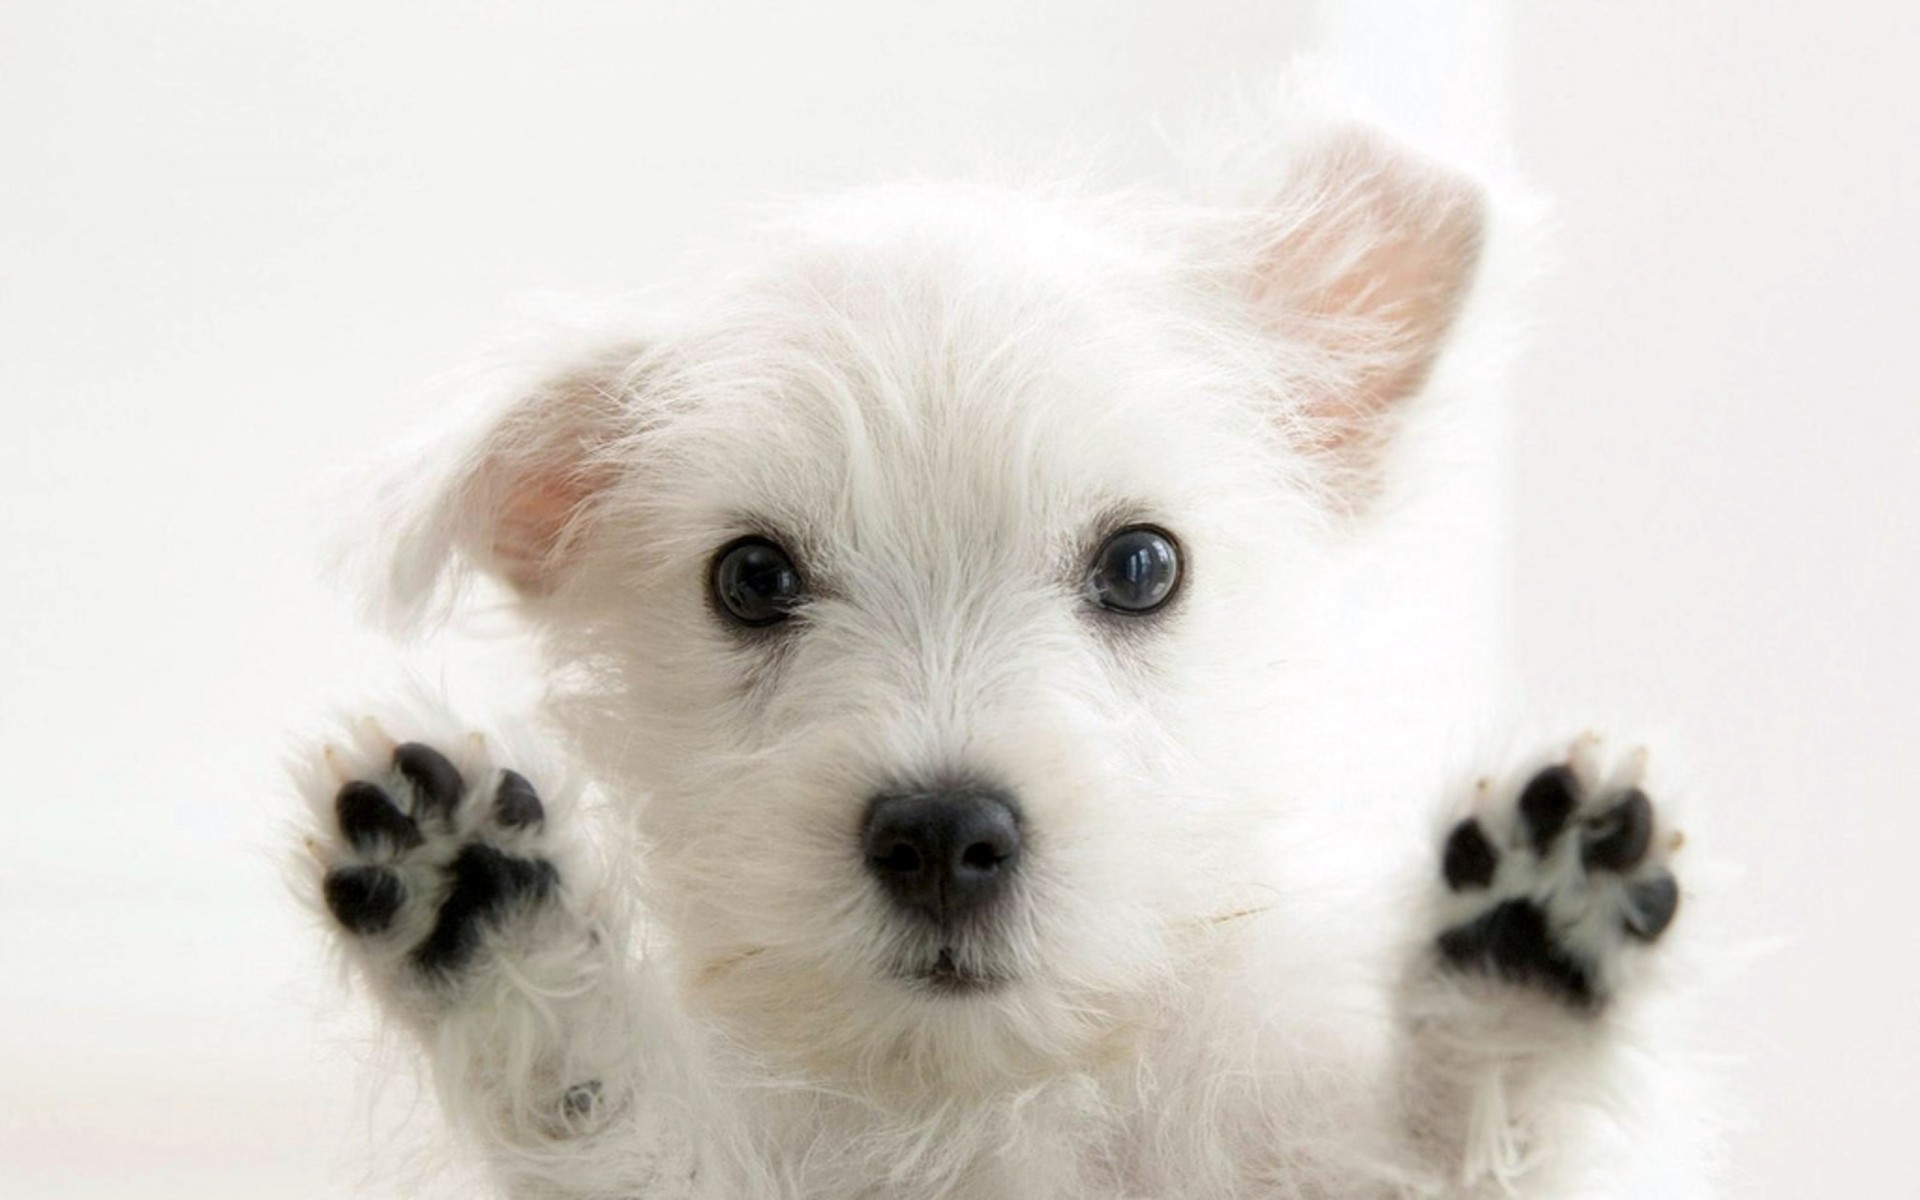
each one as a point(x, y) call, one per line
point(460, 894)
point(1551, 901)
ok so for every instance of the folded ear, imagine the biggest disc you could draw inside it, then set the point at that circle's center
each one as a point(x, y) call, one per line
point(521, 486)
point(1360, 266)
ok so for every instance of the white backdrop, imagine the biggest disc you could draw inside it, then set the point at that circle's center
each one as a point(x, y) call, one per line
point(1718, 505)
point(235, 237)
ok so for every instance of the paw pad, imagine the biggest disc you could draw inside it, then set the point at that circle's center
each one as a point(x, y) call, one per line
point(412, 840)
point(1552, 903)
point(485, 884)
point(364, 899)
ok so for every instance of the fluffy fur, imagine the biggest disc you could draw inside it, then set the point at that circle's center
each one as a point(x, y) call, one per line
point(1215, 981)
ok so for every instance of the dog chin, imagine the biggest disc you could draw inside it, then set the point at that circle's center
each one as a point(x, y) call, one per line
point(948, 976)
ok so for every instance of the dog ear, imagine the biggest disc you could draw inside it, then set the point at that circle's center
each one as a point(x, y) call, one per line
point(518, 494)
point(1360, 266)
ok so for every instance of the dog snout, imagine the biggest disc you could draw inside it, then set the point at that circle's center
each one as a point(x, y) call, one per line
point(943, 854)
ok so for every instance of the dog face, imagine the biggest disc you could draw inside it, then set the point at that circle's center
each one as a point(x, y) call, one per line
point(930, 584)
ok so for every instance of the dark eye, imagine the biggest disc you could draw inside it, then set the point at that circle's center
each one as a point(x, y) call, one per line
point(1135, 572)
point(755, 583)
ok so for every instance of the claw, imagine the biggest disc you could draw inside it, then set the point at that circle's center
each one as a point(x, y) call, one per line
point(1629, 773)
point(369, 730)
point(1583, 759)
point(330, 754)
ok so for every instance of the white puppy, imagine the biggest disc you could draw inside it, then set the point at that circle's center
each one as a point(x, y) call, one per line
point(933, 607)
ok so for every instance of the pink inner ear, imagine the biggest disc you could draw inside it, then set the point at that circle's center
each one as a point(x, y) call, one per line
point(543, 468)
point(1375, 257)
point(535, 517)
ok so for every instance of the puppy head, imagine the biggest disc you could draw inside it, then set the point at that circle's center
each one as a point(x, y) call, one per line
point(930, 585)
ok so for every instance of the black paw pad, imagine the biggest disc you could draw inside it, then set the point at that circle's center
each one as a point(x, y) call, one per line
point(435, 779)
point(1618, 839)
point(485, 884)
point(580, 1101)
point(1546, 802)
point(1651, 905)
point(364, 899)
point(368, 817)
point(1470, 858)
point(516, 805)
point(1513, 942)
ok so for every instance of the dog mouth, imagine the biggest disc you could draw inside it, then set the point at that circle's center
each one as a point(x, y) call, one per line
point(947, 975)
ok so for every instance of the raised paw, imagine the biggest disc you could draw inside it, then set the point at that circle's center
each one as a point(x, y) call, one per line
point(1551, 884)
point(425, 860)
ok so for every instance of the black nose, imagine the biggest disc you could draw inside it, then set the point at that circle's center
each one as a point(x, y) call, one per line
point(943, 853)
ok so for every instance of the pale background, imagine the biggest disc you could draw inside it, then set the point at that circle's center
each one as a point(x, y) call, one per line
point(236, 237)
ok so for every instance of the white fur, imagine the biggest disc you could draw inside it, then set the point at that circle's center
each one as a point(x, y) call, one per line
point(938, 398)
